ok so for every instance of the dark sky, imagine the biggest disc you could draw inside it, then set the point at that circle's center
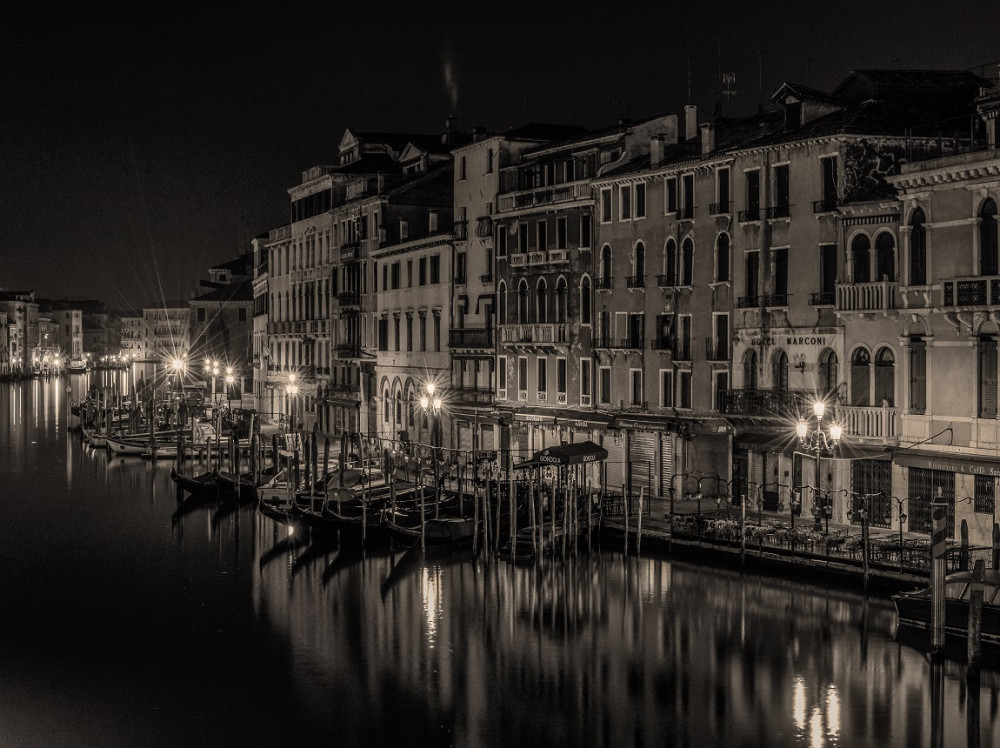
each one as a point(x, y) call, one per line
point(141, 146)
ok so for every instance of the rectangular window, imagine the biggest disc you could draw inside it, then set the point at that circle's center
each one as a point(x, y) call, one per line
point(606, 205)
point(522, 237)
point(983, 501)
point(461, 168)
point(522, 374)
point(460, 267)
point(501, 240)
point(780, 287)
point(752, 261)
point(640, 200)
point(542, 234)
point(435, 269)
point(722, 190)
point(585, 383)
point(394, 275)
point(422, 271)
point(925, 486)
point(666, 388)
point(489, 161)
point(828, 188)
point(561, 232)
point(720, 345)
point(604, 397)
point(437, 332)
point(625, 203)
point(561, 376)
point(502, 373)
point(684, 389)
point(543, 384)
point(423, 332)
point(409, 273)
point(752, 196)
point(687, 196)
point(395, 332)
point(918, 376)
point(827, 273)
point(781, 189)
point(385, 277)
point(242, 315)
point(635, 387)
point(684, 337)
point(409, 332)
point(383, 334)
point(987, 378)
point(201, 316)
point(585, 230)
point(670, 195)
point(721, 386)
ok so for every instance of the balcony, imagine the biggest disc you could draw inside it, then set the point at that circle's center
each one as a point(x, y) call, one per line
point(635, 281)
point(484, 227)
point(346, 391)
point(518, 260)
point(470, 338)
point(866, 297)
point(822, 298)
point(537, 258)
point(719, 208)
point(558, 256)
point(664, 345)
point(749, 302)
point(349, 298)
point(826, 205)
point(665, 281)
point(870, 423)
point(543, 196)
point(471, 395)
point(778, 211)
point(488, 278)
point(778, 404)
point(774, 299)
point(603, 284)
point(535, 333)
point(633, 343)
point(685, 212)
point(749, 215)
point(460, 279)
point(980, 291)
point(348, 350)
point(350, 250)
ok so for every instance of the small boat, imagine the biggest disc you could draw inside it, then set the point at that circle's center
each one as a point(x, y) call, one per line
point(913, 609)
point(436, 530)
point(206, 484)
point(94, 437)
point(137, 444)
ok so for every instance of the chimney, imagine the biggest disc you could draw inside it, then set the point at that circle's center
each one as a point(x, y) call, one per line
point(707, 138)
point(655, 150)
point(690, 122)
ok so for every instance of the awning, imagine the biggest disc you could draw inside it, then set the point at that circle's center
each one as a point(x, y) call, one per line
point(950, 461)
point(571, 454)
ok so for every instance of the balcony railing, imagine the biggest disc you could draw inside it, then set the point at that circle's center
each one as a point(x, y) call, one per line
point(779, 211)
point(636, 281)
point(518, 259)
point(774, 299)
point(472, 395)
point(538, 258)
point(872, 423)
point(717, 209)
point(749, 215)
point(749, 302)
point(558, 256)
point(543, 196)
point(484, 227)
point(662, 344)
point(461, 230)
point(348, 350)
point(470, 338)
point(633, 343)
point(972, 291)
point(665, 281)
point(822, 298)
point(535, 333)
point(826, 205)
point(779, 404)
point(350, 250)
point(349, 298)
point(861, 297)
point(603, 284)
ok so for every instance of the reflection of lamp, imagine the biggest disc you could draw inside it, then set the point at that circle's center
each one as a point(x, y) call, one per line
point(818, 441)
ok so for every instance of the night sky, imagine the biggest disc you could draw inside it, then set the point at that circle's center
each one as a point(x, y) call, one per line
point(142, 145)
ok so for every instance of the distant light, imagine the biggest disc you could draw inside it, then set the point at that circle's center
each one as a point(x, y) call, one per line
point(819, 408)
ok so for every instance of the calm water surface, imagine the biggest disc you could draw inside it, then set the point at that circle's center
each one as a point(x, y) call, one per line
point(119, 626)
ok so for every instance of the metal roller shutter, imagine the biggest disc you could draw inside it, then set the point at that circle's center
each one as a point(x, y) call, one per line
point(666, 464)
point(641, 461)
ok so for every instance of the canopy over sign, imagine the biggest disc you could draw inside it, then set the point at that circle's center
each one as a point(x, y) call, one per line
point(566, 454)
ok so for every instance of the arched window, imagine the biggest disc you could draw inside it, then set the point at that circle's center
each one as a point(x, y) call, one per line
point(885, 257)
point(639, 274)
point(502, 302)
point(885, 377)
point(918, 249)
point(861, 378)
point(750, 370)
point(722, 258)
point(541, 301)
point(988, 260)
point(687, 262)
point(861, 249)
point(828, 372)
point(562, 299)
point(670, 263)
point(522, 301)
point(585, 301)
point(606, 263)
point(780, 373)
point(385, 405)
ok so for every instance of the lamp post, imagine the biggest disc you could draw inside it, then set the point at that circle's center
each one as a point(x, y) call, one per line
point(902, 521)
point(177, 366)
point(817, 441)
point(430, 403)
point(291, 389)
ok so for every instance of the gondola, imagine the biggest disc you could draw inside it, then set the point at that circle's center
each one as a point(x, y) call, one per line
point(914, 609)
point(206, 484)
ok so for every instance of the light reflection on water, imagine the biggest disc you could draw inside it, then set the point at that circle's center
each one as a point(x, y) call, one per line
point(119, 626)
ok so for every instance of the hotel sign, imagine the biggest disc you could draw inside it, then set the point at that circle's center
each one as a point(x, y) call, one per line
point(792, 341)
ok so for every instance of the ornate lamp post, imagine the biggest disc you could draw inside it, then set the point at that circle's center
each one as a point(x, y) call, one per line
point(291, 389)
point(230, 381)
point(430, 403)
point(178, 366)
point(817, 441)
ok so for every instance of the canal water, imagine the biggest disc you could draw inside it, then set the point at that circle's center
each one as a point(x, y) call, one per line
point(121, 626)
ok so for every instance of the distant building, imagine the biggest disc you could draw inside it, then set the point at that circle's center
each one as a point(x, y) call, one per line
point(221, 319)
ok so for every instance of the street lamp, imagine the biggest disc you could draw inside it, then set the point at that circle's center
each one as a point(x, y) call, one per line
point(430, 403)
point(291, 389)
point(177, 366)
point(230, 380)
point(818, 442)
